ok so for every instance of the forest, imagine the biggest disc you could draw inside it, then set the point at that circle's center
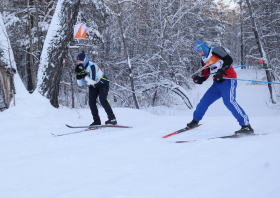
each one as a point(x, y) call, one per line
point(143, 47)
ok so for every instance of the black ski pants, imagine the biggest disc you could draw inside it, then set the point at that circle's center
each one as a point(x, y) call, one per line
point(102, 92)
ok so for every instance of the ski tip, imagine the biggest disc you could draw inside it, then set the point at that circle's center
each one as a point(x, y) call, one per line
point(180, 131)
point(166, 136)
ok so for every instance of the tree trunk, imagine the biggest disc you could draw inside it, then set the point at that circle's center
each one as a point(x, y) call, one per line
point(31, 58)
point(71, 80)
point(262, 51)
point(241, 38)
point(37, 25)
point(127, 57)
point(155, 97)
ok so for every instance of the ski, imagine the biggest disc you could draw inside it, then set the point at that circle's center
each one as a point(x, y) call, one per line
point(99, 126)
point(221, 137)
point(84, 130)
point(181, 130)
point(89, 128)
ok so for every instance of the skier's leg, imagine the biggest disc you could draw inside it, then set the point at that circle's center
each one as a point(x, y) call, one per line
point(228, 90)
point(103, 93)
point(211, 95)
point(93, 94)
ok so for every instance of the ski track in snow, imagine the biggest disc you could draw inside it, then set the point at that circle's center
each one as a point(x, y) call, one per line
point(138, 162)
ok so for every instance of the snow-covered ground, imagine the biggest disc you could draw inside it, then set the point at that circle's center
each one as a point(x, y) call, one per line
point(138, 162)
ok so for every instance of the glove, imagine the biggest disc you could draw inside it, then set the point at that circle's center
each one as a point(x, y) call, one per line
point(219, 76)
point(198, 79)
point(80, 71)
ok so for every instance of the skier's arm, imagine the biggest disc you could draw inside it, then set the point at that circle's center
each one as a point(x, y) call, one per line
point(81, 82)
point(205, 73)
point(92, 71)
point(202, 78)
point(80, 74)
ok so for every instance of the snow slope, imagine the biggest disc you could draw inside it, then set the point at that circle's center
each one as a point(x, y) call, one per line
point(138, 162)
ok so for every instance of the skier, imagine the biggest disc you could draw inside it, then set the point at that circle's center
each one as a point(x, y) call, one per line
point(217, 60)
point(98, 86)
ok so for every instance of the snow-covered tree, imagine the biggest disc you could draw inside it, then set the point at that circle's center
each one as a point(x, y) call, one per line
point(55, 49)
point(159, 36)
point(7, 68)
point(260, 26)
point(27, 23)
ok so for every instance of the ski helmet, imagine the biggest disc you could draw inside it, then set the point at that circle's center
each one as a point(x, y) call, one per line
point(83, 57)
point(200, 46)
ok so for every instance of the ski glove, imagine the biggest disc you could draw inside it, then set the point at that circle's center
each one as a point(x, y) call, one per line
point(80, 71)
point(219, 75)
point(198, 79)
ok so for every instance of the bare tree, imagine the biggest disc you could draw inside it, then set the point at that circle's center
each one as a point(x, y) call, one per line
point(130, 73)
point(262, 51)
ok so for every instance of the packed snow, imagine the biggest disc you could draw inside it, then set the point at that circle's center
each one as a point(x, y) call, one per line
point(137, 162)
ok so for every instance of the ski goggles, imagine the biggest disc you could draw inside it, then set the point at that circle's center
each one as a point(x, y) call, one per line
point(197, 48)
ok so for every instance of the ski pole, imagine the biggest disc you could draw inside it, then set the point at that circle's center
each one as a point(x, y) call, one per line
point(202, 68)
point(261, 61)
point(120, 86)
point(253, 80)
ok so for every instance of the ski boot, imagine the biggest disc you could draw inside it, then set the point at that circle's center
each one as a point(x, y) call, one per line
point(97, 121)
point(245, 130)
point(112, 120)
point(192, 124)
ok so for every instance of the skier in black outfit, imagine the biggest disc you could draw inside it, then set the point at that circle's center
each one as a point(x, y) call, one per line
point(98, 86)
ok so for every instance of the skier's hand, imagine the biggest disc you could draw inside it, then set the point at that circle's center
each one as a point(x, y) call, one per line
point(219, 75)
point(198, 79)
point(80, 71)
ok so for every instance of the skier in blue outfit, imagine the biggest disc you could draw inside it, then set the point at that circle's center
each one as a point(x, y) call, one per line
point(98, 86)
point(217, 60)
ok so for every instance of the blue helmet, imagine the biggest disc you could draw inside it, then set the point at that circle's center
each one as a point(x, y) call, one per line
point(200, 46)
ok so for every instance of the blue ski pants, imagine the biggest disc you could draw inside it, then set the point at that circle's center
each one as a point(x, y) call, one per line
point(226, 90)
